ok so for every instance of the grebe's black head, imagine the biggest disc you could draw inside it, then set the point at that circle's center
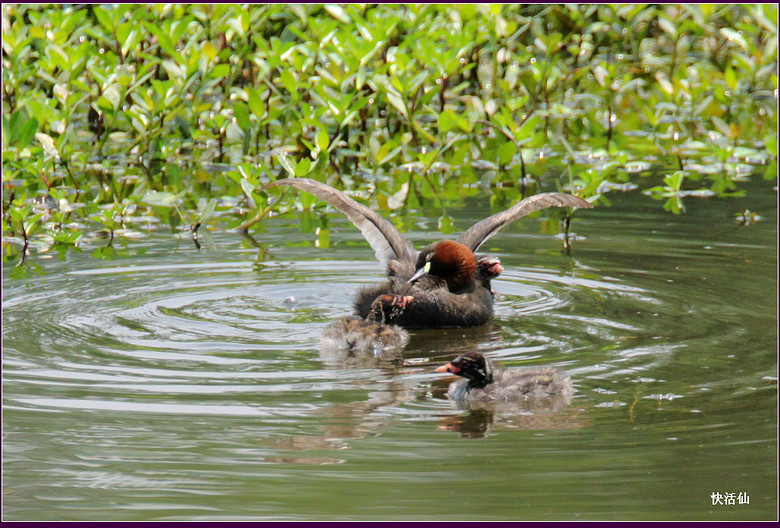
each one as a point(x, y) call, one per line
point(473, 366)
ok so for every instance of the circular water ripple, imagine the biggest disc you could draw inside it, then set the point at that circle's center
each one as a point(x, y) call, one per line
point(229, 338)
point(217, 334)
point(116, 336)
point(127, 383)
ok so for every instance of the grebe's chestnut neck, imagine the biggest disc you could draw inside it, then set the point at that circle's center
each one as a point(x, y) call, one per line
point(450, 261)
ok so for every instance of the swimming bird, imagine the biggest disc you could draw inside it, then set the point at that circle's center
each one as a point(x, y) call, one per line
point(484, 382)
point(369, 334)
point(442, 279)
point(355, 334)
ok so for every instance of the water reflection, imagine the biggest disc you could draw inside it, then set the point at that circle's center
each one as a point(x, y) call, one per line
point(481, 420)
point(341, 422)
point(340, 358)
point(444, 342)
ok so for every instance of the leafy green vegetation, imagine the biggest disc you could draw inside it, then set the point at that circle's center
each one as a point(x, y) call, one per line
point(123, 115)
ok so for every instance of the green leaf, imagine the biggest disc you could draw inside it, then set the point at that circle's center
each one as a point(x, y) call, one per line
point(256, 103)
point(303, 167)
point(133, 39)
point(103, 15)
point(219, 71)
point(165, 42)
point(463, 123)
point(112, 95)
point(287, 162)
point(365, 59)
point(241, 113)
point(675, 180)
point(26, 132)
point(538, 140)
point(668, 26)
point(209, 50)
point(417, 81)
point(160, 199)
point(731, 77)
point(300, 11)
point(385, 154)
point(239, 23)
point(360, 78)
point(528, 128)
point(323, 238)
point(288, 81)
point(770, 141)
point(19, 130)
point(664, 83)
point(394, 99)
point(722, 126)
point(600, 73)
point(58, 56)
point(208, 211)
point(349, 117)
point(15, 122)
point(323, 140)
point(248, 189)
point(338, 12)
point(446, 121)
point(735, 37)
point(674, 205)
point(48, 145)
point(506, 152)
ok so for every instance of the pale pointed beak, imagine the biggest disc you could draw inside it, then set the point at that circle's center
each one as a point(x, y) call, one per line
point(449, 367)
point(419, 273)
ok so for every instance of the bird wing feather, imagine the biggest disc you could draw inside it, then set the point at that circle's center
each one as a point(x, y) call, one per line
point(384, 238)
point(474, 236)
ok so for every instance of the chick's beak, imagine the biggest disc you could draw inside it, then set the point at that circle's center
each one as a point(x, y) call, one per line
point(449, 367)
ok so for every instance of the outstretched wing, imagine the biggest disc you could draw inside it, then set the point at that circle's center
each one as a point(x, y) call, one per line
point(474, 236)
point(386, 240)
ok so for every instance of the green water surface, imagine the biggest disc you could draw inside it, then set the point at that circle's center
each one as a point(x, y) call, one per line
point(172, 383)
